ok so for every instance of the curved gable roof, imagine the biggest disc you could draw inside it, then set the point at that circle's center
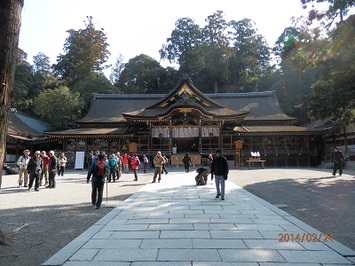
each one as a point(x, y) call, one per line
point(260, 105)
point(112, 108)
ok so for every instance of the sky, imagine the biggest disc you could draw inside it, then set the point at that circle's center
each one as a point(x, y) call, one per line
point(137, 27)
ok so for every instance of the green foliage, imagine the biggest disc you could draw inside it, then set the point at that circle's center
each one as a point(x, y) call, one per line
point(186, 37)
point(59, 107)
point(25, 88)
point(221, 56)
point(329, 63)
point(85, 53)
point(93, 83)
point(41, 64)
point(142, 74)
point(336, 8)
point(117, 70)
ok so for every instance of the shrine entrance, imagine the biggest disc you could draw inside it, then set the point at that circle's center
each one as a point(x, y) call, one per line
point(186, 145)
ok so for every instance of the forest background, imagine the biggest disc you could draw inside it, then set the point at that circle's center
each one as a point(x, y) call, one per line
point(311, 66)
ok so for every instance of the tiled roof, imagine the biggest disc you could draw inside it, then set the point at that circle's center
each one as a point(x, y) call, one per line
point(90, 132)
point(262, 106)
point(25, 127)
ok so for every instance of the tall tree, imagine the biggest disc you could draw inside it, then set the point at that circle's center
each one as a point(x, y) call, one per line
point(186, 37)
point(220, 56)
point(92, 83)
point(85, 52)
point(59, 107)
point(142, 74)
point(252, 56)
point(336, 8)
point(41, 64)
point(117, 70)
point(333, 95)
point(10, 21)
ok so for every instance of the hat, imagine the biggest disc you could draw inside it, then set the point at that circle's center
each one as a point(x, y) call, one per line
point(51, 152)
point(336, 147)
point(218, 150)
point(26, 150)
point(37, 152)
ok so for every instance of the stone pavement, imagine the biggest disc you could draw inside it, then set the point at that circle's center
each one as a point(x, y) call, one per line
point(177, 223)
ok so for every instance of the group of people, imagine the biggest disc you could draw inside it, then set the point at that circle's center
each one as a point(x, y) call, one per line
point(112, 168)
point(33, 169)
point(119, 164)
point(42, 166)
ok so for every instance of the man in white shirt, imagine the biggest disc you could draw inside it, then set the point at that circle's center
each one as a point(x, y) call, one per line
point(22, 162)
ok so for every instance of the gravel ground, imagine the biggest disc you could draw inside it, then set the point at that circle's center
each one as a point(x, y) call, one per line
point(54, 217)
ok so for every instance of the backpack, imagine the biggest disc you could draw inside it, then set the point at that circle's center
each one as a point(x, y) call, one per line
point(112, 163)
point(100, 168)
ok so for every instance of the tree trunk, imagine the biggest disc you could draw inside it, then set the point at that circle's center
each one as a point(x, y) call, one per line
point(10, 21)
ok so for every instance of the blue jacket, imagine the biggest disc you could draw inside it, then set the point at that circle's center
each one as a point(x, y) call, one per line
point(112, 162)
point(96, 179)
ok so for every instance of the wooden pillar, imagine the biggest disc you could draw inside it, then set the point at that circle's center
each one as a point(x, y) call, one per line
point(150, 140)
point(220, 135)
point(199, 140)
point(170, 140)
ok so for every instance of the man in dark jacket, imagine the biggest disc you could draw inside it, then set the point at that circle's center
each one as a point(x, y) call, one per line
point(219, 168)
point(35, 166)
point(52, 169)
point(338, 159)
point(97, 180)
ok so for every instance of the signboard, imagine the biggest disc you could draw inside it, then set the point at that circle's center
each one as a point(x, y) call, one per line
point(239, 144)
point(79, 160)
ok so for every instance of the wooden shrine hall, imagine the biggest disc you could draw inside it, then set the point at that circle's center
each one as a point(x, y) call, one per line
point(187, 120)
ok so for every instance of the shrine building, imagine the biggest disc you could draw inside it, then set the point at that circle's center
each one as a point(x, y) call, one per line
point(187, 120)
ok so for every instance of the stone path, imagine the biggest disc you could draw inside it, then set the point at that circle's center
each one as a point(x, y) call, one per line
point(177, 223)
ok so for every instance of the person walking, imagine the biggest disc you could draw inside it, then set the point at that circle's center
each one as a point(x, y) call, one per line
point(209, 161)
point(97, 173)
point(45, 164)
point(338, 160)
point(164, 165)
point(35, 167)
point(125, 161)
point(52, 169)
point(187, 162)
point(89, 159)
point(135, 166)
point(158, 162)
point(119, 165)
point(219, 168)
point(145, 163)
point(112, 163)
point(62, 162)
point(22, 162)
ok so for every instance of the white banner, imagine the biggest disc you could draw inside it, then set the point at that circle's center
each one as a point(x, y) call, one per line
point(79, 160)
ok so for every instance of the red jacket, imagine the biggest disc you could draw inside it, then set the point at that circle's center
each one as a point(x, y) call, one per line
point(45, 160)
point(135, 163)
point(125, 159)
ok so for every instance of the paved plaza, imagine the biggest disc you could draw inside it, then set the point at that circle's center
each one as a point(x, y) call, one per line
point(177, 223)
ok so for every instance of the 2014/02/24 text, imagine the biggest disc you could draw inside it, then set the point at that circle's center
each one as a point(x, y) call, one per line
point(305, 237)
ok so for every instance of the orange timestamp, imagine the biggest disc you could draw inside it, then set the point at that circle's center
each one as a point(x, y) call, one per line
point(305, 237)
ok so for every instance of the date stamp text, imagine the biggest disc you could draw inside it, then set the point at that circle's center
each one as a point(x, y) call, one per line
point(305, 237)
